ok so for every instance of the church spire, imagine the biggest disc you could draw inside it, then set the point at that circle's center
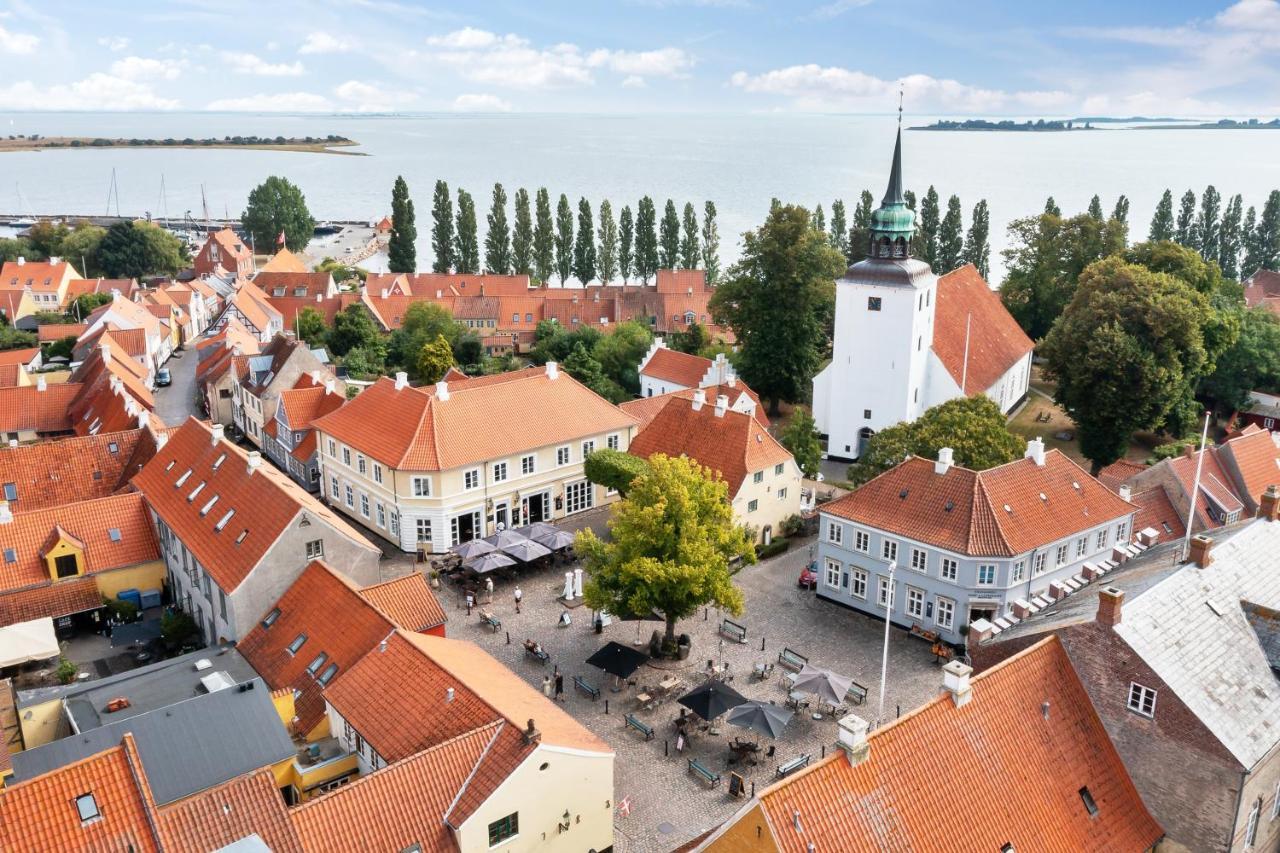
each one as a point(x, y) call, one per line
point(893, 224)
point(893, 194)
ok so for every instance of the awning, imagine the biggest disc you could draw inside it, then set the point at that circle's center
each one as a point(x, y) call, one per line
point(27, 641)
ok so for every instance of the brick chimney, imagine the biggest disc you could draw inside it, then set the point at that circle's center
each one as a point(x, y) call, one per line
point(442, 390)
point(1110, 600)
point(722, 403)
point(255, 460)
point(851, 736)
point(699, 399)
point(1035, 451)
point(1270, 506)
point(944, 463)
point(1201, 548)
point(955, 680)
point(215, 433)
point(402, 380)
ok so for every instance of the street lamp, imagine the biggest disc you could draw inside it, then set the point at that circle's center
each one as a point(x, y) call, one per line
point(884, 660)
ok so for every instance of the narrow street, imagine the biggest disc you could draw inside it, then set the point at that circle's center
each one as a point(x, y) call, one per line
point(178, 400)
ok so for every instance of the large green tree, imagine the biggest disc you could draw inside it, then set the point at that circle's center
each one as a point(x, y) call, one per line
point(860, 232)
point(564, 238)
point(1120, 212)
point(689, 238)
point(711, 243)
point(647, 260)
point(926, 239)
point(614, 469)
point(1267, 235)
point(442, 229)
point(951, 237)
point(1208, 227)
point(977, 248)
point(277, 205)
point(1184, 231)
point(800, 438)
point(1095, 208)
point(309, 326)
point(607, 234)
point(669, 238)
point(1252, 363)
point(619, 353)
point(626, 244)
point(402, 251)
point(1249, 242)
point(544, 238)
point(138, 249)
point(422, 323)
point(1229, 238)
point(584, 247)
point(775, 298)
point(839, 228)
point(1162, 221)
point(583, 367)
point(434, 359)
point(354, 328)
point(466, 240)
point(522, 236)
point(671, 540)
point(497, 239)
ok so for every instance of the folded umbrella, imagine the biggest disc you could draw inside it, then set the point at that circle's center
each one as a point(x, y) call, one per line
point(526, 551)
point(617, 659)
point(489, 562)
point(472, 549)
point(760, 717)
point(827, 686)
point(555, 539)
point(712, 699)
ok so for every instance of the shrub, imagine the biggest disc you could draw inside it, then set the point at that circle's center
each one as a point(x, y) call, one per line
point(178, 629)
point(774, 548)
point(792, 525)
point(1176, 448)
point(121, 611)
point(67, 671)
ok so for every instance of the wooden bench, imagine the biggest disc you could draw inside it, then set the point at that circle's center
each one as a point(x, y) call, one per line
point(583, 685)
point(696, 766)
point(731, 630)
point(793, 661)
point(917, 631)
point(942, 652)
point(539, 654)
point(631, 722)
point(793, 765)
point(857, 694)
point(489, 619)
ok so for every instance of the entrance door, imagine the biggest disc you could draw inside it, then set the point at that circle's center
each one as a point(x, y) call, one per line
point(864, 436)
point(534, 508)
point(982, 611)
point(501, 516)
point(465, 527)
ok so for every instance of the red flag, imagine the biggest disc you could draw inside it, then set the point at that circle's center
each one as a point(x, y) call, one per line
point(280, 239)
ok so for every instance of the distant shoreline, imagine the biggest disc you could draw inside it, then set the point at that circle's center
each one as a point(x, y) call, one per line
point(1006, 126)
point(1225, 124)
point(311, 145)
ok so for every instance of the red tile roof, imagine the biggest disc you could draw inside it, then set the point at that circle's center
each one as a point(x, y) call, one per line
point(408, 601)
point(10, 375)
point(284, 261)
point(328, 307)
point(1262, 286)
point(1118, 472)
point(219, 816)
point(64, 598)
point(18, 356)
point(301, 406)
point(732, 444)
point(51, 473)
point(679, 367)
point(1157, 512)
point(680, 281)
point(1254, 461)
point(997, 512)
point(26, 407)
point(48, 333)
point(1214, 481)
point(312, 283)
point(40, 276)
point(644, 408)
point(1021, 770)
point(483, 418)
point(968, 308)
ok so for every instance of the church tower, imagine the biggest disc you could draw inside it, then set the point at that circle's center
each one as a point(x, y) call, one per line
point(885, 304)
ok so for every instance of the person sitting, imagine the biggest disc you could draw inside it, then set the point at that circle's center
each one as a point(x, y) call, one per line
point(533, 646)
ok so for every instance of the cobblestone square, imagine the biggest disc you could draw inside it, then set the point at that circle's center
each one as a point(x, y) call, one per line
point(668, 805)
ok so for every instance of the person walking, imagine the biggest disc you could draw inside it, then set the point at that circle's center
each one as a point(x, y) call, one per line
point(488, 590)
point(546, 686)
point(559, 687)
point(519, 596)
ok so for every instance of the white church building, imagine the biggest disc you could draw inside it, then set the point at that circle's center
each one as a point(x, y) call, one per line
point(906, 339)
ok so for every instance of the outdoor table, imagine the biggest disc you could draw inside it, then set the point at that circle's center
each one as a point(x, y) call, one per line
point(644, 700)
point(797, 700)
point(669, 683)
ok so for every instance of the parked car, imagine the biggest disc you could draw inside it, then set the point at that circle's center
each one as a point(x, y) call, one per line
point(808, 577)
point(163, 378)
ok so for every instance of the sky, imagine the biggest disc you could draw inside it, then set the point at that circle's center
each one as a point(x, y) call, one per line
point(977, 57)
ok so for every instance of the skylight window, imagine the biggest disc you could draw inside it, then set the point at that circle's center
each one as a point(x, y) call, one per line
point(271, 618)
point(113, 533)
point(218, 462)
point(314, 666)
point(1214, 607)
point(182, 479)
point(222, 522)
point(329, 672)
point(112, 447)
point(87, 808)
point(170, 465)
point(11, 491)
point(10, 555)
point(243, 534)
point(1089, 805)
point(191, 497)
point(204, 510)
point(296, 644)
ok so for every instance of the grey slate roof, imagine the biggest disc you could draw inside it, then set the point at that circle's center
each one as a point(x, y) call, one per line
point(186, 747)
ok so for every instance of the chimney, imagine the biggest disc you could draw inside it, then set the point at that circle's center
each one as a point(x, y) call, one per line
point(402, 380)
point(1126, 493)
point(255, 459)
point(851, 736)
point(144, 419)
point(553, 370)
point(1201, 548)
point(1110, 600)
point(699, 399)
point(40, 382)
point(1035, 451)
point(722, 403)
point(21, 260)
point(106, 351)
point(439, 294)
point(319, 298)
point(448, 694)
point(115, 293)
point(162, 438)
point(6, 515)
point(237, 350)
point(385, 293)
point(215, 434)
point(531, 733)
point(328, 385)
point(980, 630)
point(955, 680)
point(1021, 609)
point(1270, 506)
point(943, 465)
point(442, 390)
point(13, 442)
point(54, 260)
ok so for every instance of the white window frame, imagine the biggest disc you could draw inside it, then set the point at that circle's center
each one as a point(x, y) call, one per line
point(989, 571)
point(919, 560)
point(1018, 572)
point(499, 472)
point(883, 586)
point(1142, 700)
point(753, 505)
point(613, 442)
point(362, 464)
point(1060, 557)
point(528, 464)
point(1122, 530)
point(381, 514)
point(889, 550)
point(564, 456)
point(1082, 546)
point(421, 487)
point(943, 605)
point(1102, 540)
point(364, 504)
point(858, 583)
point(471, 479)
point(862, 541)
point(950, 570)
point(346, 456)
point(1251, 826)
point(313, 553)
point(835, 533)
point(422, 526)
point(915, 602)
point(350, 497)
point(834, 570)
point(377, 473)
point(588, 447)
point(1037, 567)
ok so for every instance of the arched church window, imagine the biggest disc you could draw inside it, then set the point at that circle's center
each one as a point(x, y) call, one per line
point(883, 251)
point(900, 248)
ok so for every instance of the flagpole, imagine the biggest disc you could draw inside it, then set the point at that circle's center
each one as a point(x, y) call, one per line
point(1195, 491)
point(884, 660)
point(964, 371)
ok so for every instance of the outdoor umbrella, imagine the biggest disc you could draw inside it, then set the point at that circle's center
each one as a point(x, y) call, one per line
point(537, 529)
point(618, 660)
point(488, 562)
point(760, 717)
point(827, 686)
point(712, 699)
point(503, 538)
point(554, 539)
point(472, 549)
point(525, 551)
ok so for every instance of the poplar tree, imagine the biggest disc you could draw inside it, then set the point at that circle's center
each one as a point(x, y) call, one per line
point(584, 248)
point(522, 236)
point(909, 197)
point(626, 244)
point(669, 238)
point(1208, 227)
point(1095, 208)
point(402, 254)
point(442, 228)
point(607, 257)
point(1184, 229)
point(1229, 240)
point(860, 233)
point(927, 234)
point(1267, 232)
point(839, 229)
point(543, 238)
point(689, 238)
point(1162, 221)
point(977, 249)
point(951, 236)
point(1249, 238)
point(466, 238)
point(646, 240)
point(564, 239)
point(710, 243)
point(1051, 207)
point(497, 240)
point(1121, 211)
point(819, 219)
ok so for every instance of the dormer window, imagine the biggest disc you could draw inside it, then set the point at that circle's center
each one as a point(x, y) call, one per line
point(329, 672)
point(271, 618)
point(87, 808)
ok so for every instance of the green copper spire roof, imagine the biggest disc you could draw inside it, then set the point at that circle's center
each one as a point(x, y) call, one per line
point(893, 223)
point(893, 194)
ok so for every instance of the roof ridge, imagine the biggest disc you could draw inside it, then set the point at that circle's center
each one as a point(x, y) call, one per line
point(134, 762)
point(466, 783)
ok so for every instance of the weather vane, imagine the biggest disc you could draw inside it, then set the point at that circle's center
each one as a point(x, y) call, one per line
point(899, 106)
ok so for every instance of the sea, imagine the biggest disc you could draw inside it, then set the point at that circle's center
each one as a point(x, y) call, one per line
point(740, 162)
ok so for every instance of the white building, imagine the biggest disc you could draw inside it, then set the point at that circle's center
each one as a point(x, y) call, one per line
point(906, 340)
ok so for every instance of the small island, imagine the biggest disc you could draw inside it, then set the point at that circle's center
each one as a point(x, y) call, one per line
point(331, 144)
point(1009, 126)
point(1221, 124)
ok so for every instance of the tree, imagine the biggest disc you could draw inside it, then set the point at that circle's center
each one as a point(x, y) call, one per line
point(710, 243)
point(522, 236)
point(582, 367)
point(819, 219)
point(138, 249)
point(274, 206)
point(607, 257)
point(951, 236)
point(692, 340)
point(402, 252)
point(309, 326)
point(619, 354)
point(466, 240)
point(497, 239)
point(626, 242)
point(669, 238)
point(361, 362)
point(1267, 233)
point(564, 238)
point(614, 469)
point(800, 438)
point(434, 360)
point(1249, 239)
point(1229, 238)
point(689, 238)
point(860, 233)
point(468, 348)
point(926, 239)
point(1162, 221)
point(775, 300)
point(1208, 227)
point(1184, 229)
point(1120, 212)
point(584, 248)
point(1251, 363)
point(354, 328)
point(11, 338)
point(80, 247)
point(670, 543)
point(544, 241)
point(422, 323)
point(86, 303)
point(1095, 208)
point(442, 229)
point(647, 261)
point(1127, 352)
point(908, 196)
point(839, 229)
point(1051, 207)
point(342, 273)
point(977, 249)
point(973, 427)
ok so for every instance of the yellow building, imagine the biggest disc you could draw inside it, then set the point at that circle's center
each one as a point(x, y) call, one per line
point(28, 287)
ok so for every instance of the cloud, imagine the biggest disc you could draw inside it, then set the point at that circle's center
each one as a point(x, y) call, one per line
point(1251, 15)
point(248, 63)
point(468, 38)
point(18, 43)
point(836, 9)
point(319, 42)
point(664, 62)
point(98, 91)
point(367, 98)
point(633, 82)
point(280, 102)
point(480, 104)
point(115, 44)
point(139, 68)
